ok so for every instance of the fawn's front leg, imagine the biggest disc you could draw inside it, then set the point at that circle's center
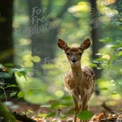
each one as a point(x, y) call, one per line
point(76, 108)
point(84, 106)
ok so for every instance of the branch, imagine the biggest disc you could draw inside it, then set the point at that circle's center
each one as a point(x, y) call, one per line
point(107, 108)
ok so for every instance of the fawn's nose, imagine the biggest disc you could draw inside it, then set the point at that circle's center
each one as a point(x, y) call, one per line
point(73, 59)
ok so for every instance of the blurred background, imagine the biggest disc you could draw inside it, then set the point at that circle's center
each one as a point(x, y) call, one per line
point(33, 67)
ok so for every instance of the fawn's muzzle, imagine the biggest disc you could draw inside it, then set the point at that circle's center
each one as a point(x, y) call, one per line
point(73, 59)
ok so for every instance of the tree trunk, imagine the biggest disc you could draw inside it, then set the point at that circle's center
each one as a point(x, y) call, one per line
point(96, 45)
point(45, 32)
point(6, 46)
point(43, 36)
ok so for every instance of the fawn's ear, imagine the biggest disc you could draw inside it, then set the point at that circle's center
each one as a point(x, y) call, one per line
point(85, 44)
point(62, 44)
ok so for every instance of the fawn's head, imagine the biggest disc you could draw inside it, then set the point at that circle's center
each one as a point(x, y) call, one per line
point(74, 54)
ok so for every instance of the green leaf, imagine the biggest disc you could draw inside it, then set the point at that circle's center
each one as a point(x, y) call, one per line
point(66, 98)
point(21, 73)
point(29, 92)
point(20, 94)
point(12, 86)
point(13, 94)
point(93, 65)
point(57, 105)
point(120, 53)
point(85, 115)
point(30, 111)
point(42, 115)
point(106, 40)
point(104, 88)
point(9, 65)
point(52, 114)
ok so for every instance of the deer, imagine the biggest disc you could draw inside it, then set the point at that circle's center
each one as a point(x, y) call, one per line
point(80, 80)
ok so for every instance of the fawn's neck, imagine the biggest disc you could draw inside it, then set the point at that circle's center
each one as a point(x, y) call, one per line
point(76, 71)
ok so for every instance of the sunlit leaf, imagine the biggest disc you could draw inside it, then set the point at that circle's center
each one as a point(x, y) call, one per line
point(24, 41)
point(19, 73)
point(106, 56)
point(115, 92)
point(101, 59)
point(42, 115)
point(81, 7)
point(28, 63)
point(93, 65)
point(104, 88)
point(106, 40)
point(29, 92)
point(120, 53)
point(57, 105)
point(20, 94)
point(63, 116)
point(36, 59)
point(59, 93)
point(30, 111)
point(27, 57)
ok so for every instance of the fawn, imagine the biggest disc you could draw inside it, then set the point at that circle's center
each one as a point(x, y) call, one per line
point(79, 81)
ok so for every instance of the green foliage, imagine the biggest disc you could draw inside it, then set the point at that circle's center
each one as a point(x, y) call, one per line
point(20, 94)
point(48, 83)
point(85, 115)
point(110, 61)
point(52, 114)
point(9, 87)
point(5, 115)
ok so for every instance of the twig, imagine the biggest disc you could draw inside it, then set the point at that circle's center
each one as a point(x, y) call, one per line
point(107, 108)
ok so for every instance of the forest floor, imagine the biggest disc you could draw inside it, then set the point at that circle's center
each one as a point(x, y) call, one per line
point(103, 112)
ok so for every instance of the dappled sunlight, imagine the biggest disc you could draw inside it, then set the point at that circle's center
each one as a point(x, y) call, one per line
point(33, 67)
point(80, 7)
point(36, 91)
point(24, 42)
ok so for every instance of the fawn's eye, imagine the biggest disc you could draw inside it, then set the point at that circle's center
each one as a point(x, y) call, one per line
point(68, 53)
point(80, 53)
